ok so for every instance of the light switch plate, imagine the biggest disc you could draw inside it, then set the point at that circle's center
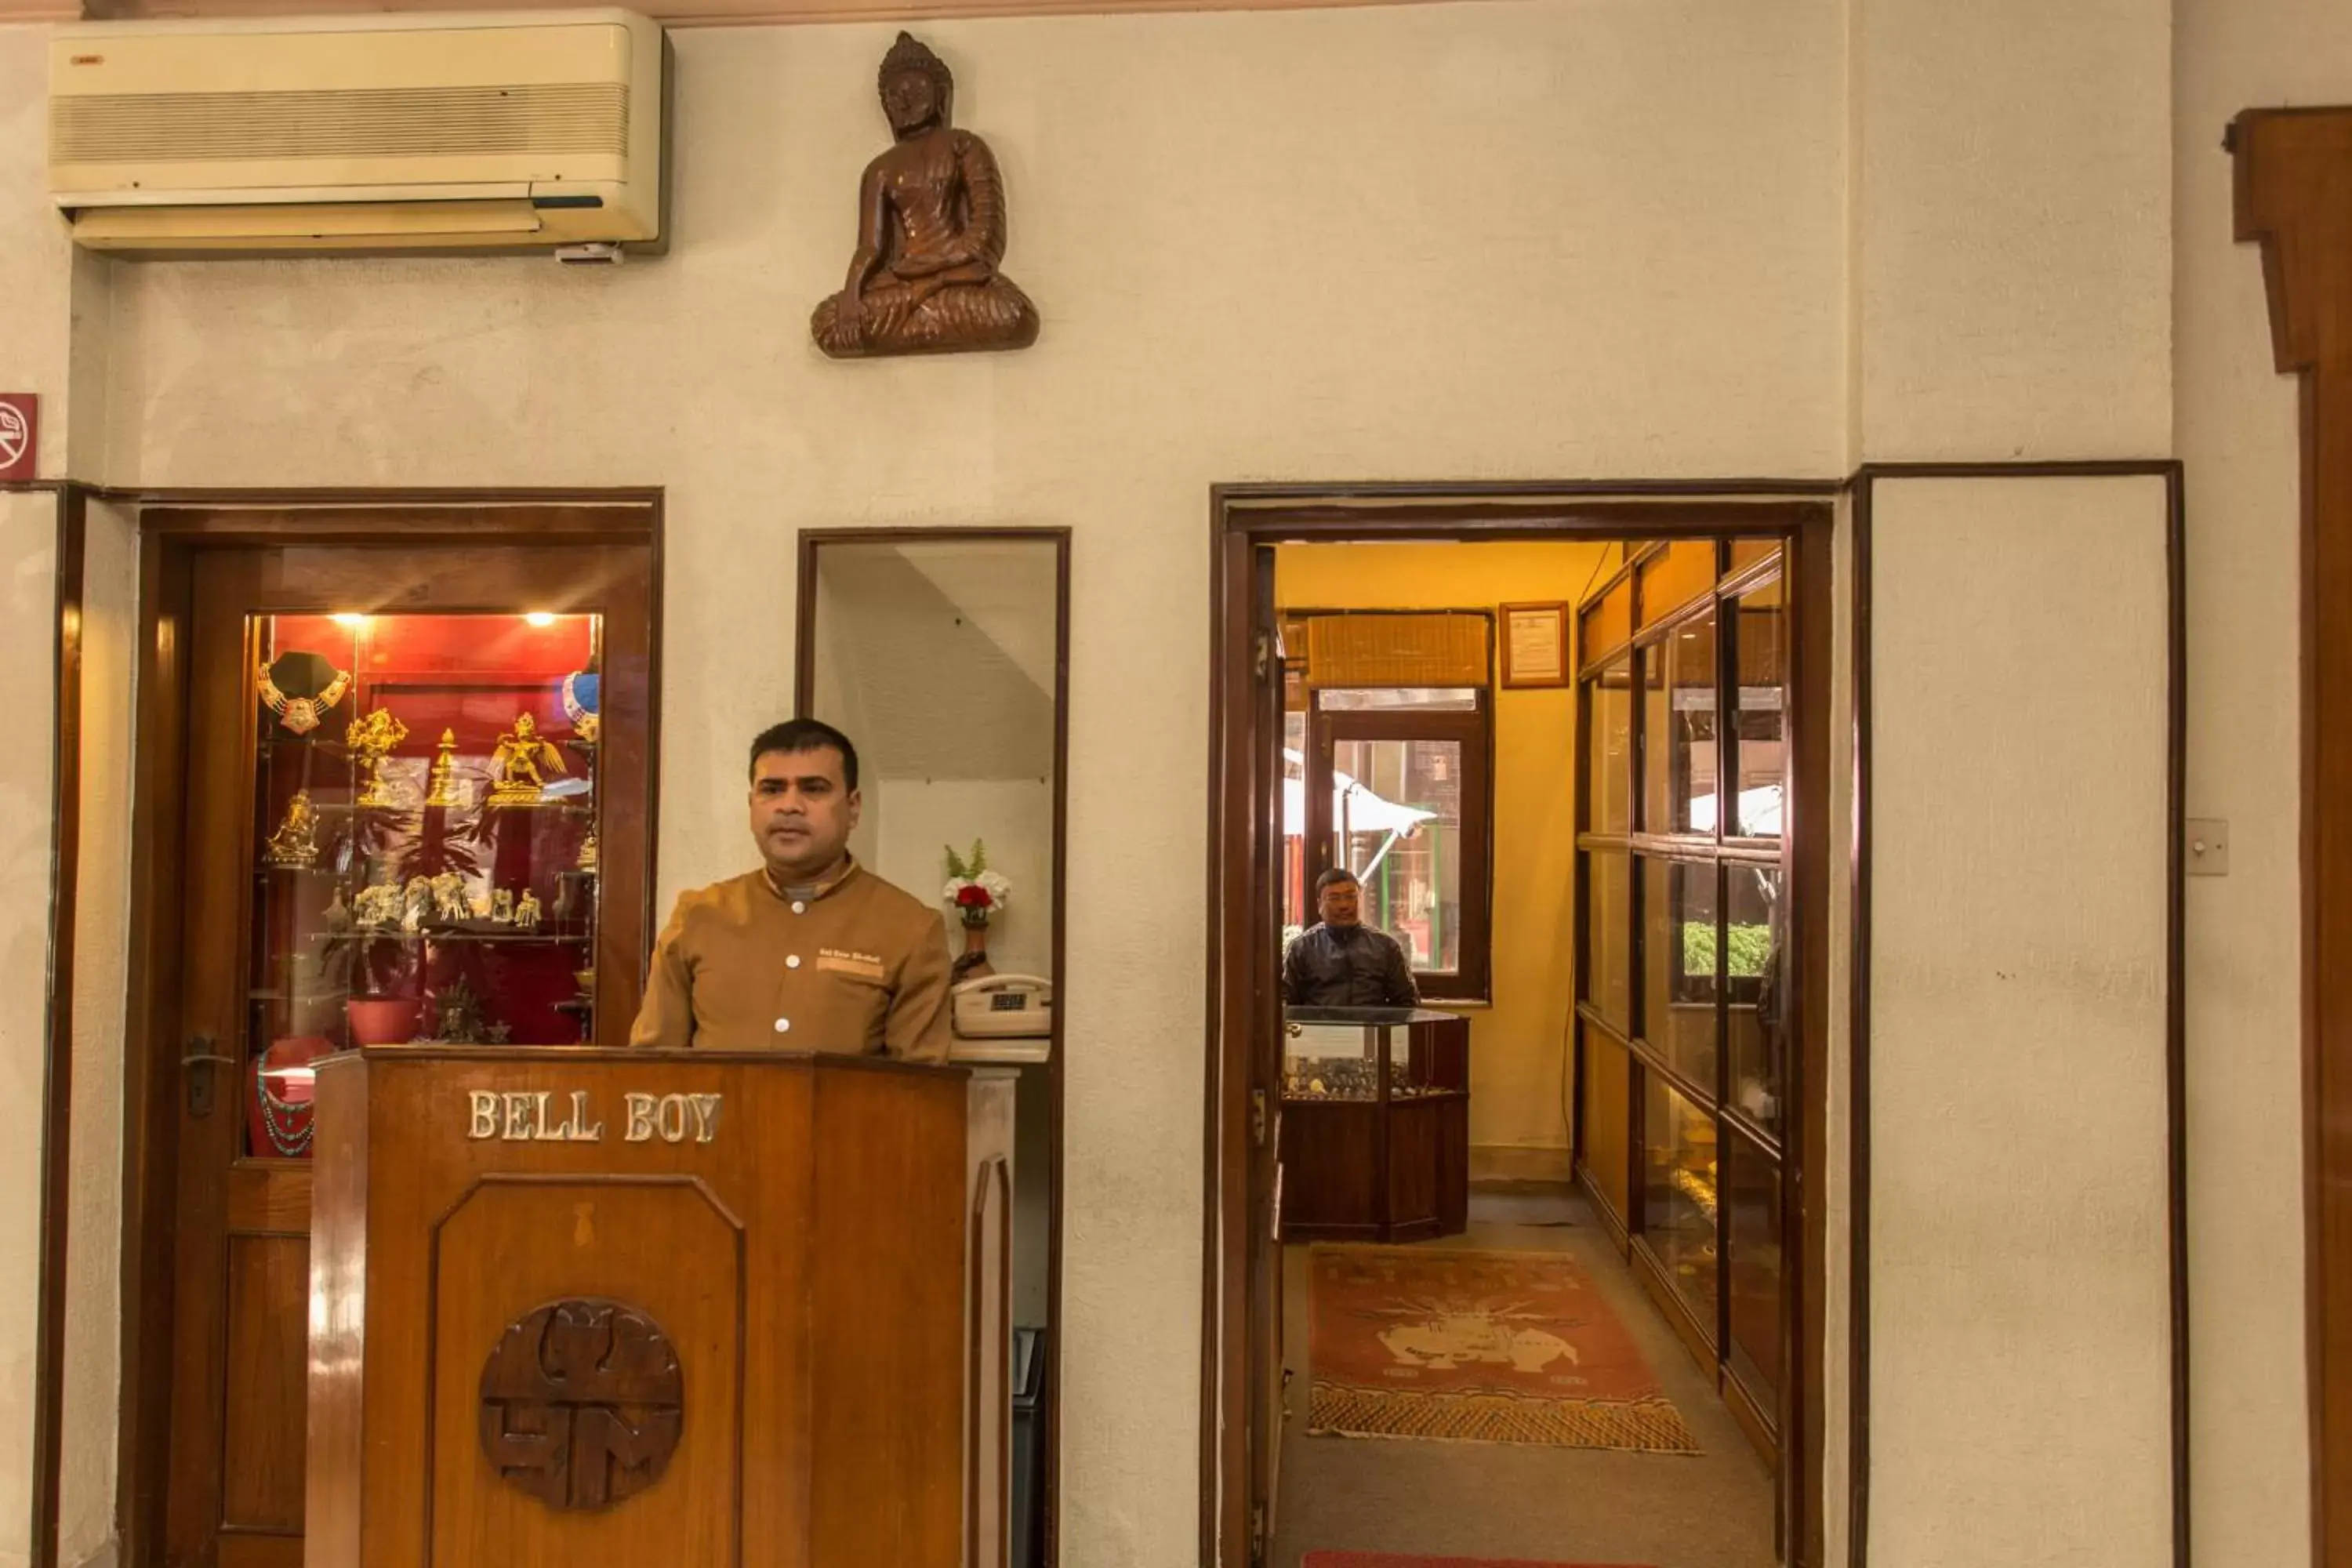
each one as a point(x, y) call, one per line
point(2207, 846)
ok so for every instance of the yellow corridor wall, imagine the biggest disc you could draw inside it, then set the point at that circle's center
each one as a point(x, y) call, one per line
point(1518, 1045)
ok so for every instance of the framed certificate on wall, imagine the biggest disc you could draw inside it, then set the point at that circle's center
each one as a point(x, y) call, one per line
point(1534, 644)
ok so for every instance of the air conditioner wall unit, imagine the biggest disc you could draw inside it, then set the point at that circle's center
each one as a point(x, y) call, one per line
point(523, 131)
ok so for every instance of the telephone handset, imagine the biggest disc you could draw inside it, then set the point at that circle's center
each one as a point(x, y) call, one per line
point(1003, 1008)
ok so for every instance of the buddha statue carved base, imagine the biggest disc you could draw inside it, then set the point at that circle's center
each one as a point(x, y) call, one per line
point(931, 233)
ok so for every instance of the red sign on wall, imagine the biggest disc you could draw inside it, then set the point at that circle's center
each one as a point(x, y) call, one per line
point(20, 428)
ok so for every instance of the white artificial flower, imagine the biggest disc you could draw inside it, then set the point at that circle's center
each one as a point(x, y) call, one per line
point(999, 890)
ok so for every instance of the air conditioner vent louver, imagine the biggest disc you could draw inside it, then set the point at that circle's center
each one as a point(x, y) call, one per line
point(556, 119)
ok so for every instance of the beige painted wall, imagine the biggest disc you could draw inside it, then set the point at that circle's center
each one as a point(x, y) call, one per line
point(94, 1238)
point(27, 673)
point(2238, 440)
point(36, 257)
point(2012, 277)
point(1518, 1047)
point(2019, 1336)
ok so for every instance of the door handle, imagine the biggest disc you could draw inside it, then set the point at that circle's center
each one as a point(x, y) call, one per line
point(198, 1063)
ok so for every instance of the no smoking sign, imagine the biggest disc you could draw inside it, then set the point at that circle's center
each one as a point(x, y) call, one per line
point(20, 425)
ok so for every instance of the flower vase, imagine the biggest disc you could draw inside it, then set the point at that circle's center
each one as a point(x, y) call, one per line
point(974, 962)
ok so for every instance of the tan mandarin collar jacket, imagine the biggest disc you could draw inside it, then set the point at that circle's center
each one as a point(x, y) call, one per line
point(851, 965)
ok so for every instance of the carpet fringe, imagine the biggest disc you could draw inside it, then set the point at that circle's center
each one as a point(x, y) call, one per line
point(1650, 1425)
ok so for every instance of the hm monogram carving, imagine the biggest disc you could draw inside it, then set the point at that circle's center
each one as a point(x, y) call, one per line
point(582, 1404)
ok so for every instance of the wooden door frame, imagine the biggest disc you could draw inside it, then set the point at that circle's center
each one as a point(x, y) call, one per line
point(1244, 518)
point(2294, 194)
point(172, 527)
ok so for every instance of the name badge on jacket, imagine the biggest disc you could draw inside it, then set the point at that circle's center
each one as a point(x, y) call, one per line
point(840, 961)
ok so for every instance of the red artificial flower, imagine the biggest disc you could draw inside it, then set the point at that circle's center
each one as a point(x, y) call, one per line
point(971, 896)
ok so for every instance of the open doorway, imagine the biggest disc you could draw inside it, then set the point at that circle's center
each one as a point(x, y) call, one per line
point(1534, 1219)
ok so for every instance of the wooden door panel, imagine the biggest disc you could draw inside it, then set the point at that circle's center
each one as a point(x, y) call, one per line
point(240, 1287)
point(266, 1412)
point(248, 1549)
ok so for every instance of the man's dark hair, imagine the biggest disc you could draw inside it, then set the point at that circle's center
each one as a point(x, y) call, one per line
point(805, 735)
point(1333, 877)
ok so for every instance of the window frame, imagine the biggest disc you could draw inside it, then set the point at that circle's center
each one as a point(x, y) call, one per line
point(1472, 978)
point(1649, 637)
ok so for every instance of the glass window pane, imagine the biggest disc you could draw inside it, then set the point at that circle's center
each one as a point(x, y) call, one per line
point(1678, 1203)
point(1396, 823)
point(1331, 1061)
point(1606, 1089)
point(1609, 774)
point(1609, 926)
point(1757, 1014)
point(1759, 720)
point(1606, 622)
point(1688, 731)
point(1753, 1182)
point(1297, 908)
point(1678, 966)
point(1746, 552)
point(1678, 740)
point(1398, 698)
point(1675, 576)
point(425, 807)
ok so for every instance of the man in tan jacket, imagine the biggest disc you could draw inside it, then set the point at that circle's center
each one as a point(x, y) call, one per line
point(811, 952)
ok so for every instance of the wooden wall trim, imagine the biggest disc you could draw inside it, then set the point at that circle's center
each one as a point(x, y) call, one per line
point(1864, 481)
point(2293, 195)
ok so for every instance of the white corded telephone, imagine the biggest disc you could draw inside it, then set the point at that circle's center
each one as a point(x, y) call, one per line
point(1004, 1007)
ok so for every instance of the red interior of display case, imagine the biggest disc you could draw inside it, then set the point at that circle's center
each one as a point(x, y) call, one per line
point(470, 676)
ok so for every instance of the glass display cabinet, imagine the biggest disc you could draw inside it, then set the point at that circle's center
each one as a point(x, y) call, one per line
point(424, 828)
point(1375, 1125)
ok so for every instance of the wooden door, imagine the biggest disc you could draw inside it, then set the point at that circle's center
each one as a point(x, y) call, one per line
point(1267, 854)
point(239, 1314)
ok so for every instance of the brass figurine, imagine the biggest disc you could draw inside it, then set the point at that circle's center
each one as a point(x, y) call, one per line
point(519, 764)
point(442, 790)
point(527, 911)
point(931, 233)
point(502, 905)
point(587, 861)
point(377, 906)
point(296, 842)
point(371, 739)
point(449, 905)
point(416, 904)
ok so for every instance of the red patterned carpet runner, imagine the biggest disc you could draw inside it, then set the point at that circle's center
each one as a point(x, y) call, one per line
point(1480, 1347)
point(1386, 1560)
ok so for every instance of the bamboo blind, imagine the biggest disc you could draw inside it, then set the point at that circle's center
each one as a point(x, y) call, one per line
point(1435, 649)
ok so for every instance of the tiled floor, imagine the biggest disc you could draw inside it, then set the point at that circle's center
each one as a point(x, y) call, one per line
point(1544, 1504)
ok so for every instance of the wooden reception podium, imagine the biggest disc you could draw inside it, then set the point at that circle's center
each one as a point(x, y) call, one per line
point(612, 1309)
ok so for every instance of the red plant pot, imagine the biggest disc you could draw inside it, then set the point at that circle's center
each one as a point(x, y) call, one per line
point(383, 1020)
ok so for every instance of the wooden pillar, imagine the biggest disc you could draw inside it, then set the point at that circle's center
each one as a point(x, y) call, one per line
point(2295, 196)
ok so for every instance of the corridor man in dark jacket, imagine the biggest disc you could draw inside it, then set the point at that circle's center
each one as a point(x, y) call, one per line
point(1343, 963)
